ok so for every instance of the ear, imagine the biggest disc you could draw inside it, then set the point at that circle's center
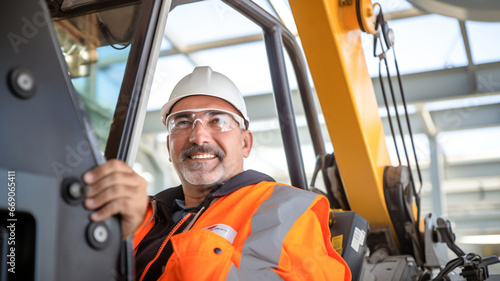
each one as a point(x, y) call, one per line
point(168, 148)
point(246, 142)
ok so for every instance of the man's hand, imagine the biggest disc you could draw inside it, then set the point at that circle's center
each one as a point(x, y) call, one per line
point(114, 188)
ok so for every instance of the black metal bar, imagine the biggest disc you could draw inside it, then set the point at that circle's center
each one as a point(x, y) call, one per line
point(121, 129)
point(306, 94)
point(274, 46)
point(254, 13)
point(286, 114)
point(305, 89)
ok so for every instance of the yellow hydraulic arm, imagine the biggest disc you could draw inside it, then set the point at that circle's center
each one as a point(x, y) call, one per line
point(330, 34)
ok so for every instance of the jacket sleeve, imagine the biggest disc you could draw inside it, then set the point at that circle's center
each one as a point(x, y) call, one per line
point(307, 252)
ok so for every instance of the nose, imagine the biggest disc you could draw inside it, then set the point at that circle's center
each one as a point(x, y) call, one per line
point(199, 134)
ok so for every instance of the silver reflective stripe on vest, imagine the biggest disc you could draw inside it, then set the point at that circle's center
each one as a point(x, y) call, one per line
point(270, 225)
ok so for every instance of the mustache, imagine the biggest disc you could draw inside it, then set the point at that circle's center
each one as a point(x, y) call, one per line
point(217, 151)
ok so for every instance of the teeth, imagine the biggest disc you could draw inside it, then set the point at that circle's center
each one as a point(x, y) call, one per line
point(202, 156)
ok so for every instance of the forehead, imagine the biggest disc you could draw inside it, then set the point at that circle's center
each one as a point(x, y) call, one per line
point(201, 101)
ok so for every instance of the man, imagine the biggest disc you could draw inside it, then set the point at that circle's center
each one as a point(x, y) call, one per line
point(221, 223)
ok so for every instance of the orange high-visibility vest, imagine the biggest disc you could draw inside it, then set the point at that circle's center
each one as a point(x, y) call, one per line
point(257, 231)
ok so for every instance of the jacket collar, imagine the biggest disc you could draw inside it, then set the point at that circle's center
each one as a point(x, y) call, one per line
point(242, 179)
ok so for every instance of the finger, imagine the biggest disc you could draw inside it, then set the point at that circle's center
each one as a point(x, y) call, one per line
point(131, 214)
point(116, 178)
point(109, 194)
point(111, 208)
point(105, 169)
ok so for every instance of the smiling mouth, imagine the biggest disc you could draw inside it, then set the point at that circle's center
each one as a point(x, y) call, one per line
point(201, 156)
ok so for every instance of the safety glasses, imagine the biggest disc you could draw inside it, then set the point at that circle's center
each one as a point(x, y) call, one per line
point(212, 119)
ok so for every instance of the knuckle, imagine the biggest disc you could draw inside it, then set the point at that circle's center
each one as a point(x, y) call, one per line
point(114, 161)
point(104, 210)
point(114, 177)
point(114, 164)
point(101, 200)
point(113, 191)
point(106, 196)
point(125, 204)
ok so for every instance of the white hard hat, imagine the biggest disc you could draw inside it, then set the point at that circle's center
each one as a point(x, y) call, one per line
point(205, 81)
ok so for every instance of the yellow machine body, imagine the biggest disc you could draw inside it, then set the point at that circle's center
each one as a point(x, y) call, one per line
point(330, 35)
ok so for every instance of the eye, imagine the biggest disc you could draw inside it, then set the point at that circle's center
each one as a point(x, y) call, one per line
point(220, 119)
point(183, 123)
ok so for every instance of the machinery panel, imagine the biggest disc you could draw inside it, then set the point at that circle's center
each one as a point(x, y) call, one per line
point(46, 146)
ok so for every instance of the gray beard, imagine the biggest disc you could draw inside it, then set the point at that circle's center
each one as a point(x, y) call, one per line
point(195, 173)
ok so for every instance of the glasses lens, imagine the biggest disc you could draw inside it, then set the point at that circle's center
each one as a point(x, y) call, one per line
point(218, 122)
point(183, 122)
point(177, 123)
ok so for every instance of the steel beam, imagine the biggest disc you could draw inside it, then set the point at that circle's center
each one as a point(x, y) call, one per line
point(436, 171)
point(447, 83)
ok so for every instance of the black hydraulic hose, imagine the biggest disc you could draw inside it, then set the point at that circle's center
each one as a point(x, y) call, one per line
point(444, 228)
point(389, 117)
point(398, 119)
point(386, 32)
point(403, 99)
point(407, 117)
point(413, 187)
point(450, 266)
